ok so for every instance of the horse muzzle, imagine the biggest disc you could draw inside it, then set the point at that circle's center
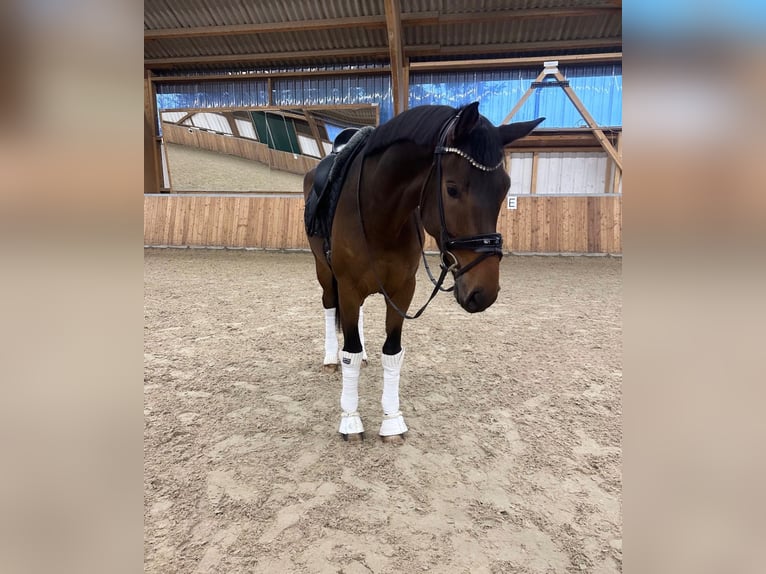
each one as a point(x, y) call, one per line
point(478, 289)
point(478, 300)
point(476, 282)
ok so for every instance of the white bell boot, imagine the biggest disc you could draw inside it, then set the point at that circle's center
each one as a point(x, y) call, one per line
point(393, 421)
point(350, 421)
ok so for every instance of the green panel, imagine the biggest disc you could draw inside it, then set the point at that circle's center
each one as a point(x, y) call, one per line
point(259, 120)
point(276, 131)
point(294, 146)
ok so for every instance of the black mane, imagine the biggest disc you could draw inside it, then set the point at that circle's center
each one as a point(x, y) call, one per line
point(421, 126)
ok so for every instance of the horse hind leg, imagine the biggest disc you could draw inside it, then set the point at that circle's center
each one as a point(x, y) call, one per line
point(330, 303)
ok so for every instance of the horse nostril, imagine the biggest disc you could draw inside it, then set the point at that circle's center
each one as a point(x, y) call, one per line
point(475, 300)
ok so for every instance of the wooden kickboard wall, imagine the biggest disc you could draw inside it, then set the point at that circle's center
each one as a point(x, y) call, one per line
point(240, 147)
point(541, 224)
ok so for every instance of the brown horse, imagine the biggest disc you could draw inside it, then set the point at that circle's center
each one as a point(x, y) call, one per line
point(432, 167)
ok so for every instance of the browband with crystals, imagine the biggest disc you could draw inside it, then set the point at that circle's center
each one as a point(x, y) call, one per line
point(464, 155)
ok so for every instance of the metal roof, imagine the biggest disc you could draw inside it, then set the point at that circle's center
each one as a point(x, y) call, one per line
point(202, 35)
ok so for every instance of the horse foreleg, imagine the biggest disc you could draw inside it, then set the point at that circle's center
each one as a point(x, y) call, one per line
point(351, 362)
point(393, 426)
point(331, 339)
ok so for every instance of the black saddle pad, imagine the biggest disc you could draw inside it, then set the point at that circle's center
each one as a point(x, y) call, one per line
point(328, 182)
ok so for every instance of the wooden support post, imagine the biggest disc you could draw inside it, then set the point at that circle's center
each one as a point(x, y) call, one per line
point(232, 123)
point(617, 169)
point(533, 183)
point(609, 175)
point(396, 53)
point(603, 140)
point(315, 132)
point(406, 90)
point(183, 118)
point(551, 68)
point(524, 98)
point(152, 165)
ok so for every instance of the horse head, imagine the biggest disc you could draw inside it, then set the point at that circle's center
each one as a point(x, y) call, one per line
point(469, 187)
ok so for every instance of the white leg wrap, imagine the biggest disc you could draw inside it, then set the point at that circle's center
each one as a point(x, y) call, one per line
point(330, 338)
point(393, 421)
point(350, 421)
point(361, 333)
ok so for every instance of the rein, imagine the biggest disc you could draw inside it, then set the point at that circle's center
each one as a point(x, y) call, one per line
point(486, 245)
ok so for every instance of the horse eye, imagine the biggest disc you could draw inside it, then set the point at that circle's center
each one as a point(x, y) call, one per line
point(452, 190)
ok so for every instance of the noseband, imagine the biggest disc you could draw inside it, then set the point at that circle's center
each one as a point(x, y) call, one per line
point(486, 244)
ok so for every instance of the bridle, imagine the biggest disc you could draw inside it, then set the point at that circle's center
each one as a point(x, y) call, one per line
point(486, 244)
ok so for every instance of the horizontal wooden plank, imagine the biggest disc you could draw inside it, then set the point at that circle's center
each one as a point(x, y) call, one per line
point(532, 61)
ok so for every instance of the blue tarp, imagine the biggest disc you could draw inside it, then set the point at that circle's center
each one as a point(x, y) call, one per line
point(599, 87)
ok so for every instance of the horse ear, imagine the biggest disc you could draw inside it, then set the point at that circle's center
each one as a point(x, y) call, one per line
point(514, 131)
point(469, 117)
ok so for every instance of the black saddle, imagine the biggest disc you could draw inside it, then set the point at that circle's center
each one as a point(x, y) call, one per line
point(328, 180)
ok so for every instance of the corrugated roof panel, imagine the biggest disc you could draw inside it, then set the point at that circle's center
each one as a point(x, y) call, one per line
point(315, 40)
point(470, 6)
point(537, 30)
point(161, 14)
point(498, 35)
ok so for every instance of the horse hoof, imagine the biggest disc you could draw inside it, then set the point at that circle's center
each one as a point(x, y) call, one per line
point(332, 368)
point(393, 439)
point(353, 437)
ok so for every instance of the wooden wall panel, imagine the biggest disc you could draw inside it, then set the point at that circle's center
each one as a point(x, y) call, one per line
point(564, 224)
point(239, 147)
point(540, 224)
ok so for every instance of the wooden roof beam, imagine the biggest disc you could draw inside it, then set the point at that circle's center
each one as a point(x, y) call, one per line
point(437, 50)
point(448, 65)
point(435, 19)
point(267, 57)
point(445, 65)
point(383, 52)
point(382, 70)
